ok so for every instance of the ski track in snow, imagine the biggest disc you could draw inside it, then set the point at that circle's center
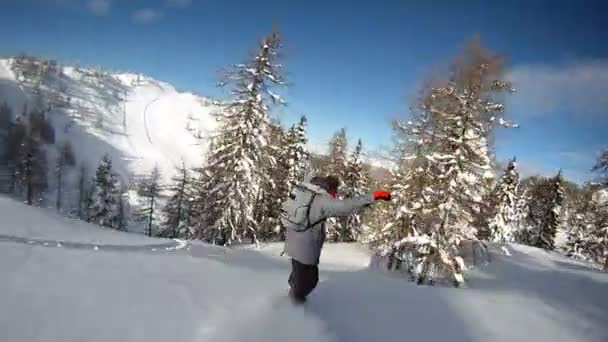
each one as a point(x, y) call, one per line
point(146, 117)
point(170, 246)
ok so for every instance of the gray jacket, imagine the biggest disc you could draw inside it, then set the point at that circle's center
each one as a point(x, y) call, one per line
point(305, 245)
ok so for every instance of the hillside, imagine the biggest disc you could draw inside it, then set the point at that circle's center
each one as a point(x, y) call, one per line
point(139, 121)
point(204, 293)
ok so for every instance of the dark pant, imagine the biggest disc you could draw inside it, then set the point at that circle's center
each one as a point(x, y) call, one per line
point(302, 280)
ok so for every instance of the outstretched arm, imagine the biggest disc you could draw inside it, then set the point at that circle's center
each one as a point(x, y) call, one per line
point(331, 207)
point(339, 208)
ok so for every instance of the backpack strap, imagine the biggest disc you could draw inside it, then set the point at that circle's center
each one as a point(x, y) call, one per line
point(308, 206)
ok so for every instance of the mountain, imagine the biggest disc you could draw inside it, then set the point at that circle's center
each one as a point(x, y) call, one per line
point(139, 121)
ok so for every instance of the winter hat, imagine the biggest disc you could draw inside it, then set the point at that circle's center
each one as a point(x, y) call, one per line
point(328, 183)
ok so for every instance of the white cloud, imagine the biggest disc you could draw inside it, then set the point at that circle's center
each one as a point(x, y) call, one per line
point(577, 88)
point(179, 3)
point(99, 7)
point(146, 15)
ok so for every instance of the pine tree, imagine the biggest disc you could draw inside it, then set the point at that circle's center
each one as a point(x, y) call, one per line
point(551, 214)
point(83, 188)
point(65, 160)
point(123, 202)
point(588, 235)
point(444, 161)
point(105, 195)
point(274, 186)
point(6, 117)
point(149, 190)
point(236, 158)
point(40, 127)
point(202, 210)
point(336, 166)
point(89, 200)
point(16, 139)
point(581, 223)
point(287, 149)
point(297, 155)
point(376, 219)
point(502, 225)
point(355, 183)
point(523, 228)
point(601, 168)
point(176, 209)
point(32, 169)
point(599, 246)
point(337, 156)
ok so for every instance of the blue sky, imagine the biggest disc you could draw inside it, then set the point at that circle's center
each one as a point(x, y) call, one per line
point(353, 64)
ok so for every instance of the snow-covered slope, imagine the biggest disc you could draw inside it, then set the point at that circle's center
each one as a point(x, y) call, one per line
point(138, 120)
point(21, 221)
point(207, 293)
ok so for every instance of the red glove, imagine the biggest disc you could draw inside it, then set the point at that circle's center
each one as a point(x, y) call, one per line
point(382, 195)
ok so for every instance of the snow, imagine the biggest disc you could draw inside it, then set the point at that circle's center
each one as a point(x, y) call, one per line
point(22, 221)
point(210, 293)
point(10, 91)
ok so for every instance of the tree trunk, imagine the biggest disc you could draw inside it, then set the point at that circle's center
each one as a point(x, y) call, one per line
point(59, 181)
point(151, 215)
point(29, 182)
point(13, 187)
point(179, 208)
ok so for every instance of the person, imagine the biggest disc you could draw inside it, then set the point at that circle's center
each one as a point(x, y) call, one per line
point(306, 210)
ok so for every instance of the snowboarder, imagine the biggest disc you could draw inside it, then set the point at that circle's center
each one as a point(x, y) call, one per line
point(305, 213)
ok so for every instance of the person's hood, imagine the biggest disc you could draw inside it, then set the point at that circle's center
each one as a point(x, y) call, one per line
point(314, 188)
point(317, 189)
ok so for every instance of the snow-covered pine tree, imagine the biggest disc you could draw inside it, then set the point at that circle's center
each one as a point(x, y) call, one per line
point(104, 198)
point(581, 222)
point(456, 120)
point(337, 155)
point(83, 195)
point(40, 126)
point(596, 244)
point(297, 155)
point(404, 238)
point(287, 158)
point(203, 213)
point(376, 218)
point(6, 117)
point(122, 219)
point(17, 134)
point(274, 187)
point(551, 215)
point(177, 208)
point(356, 183)
point(601, 168)
point(588, 235)
point(523, 227)
point(596, 239)
point(32, 169)
point(149, 190)
point(65, 160)
point(237, 154)
point(502, 224)
point(336, 165)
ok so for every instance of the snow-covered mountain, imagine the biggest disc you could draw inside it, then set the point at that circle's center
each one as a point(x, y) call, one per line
point(66, 280)
point(139, 121)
